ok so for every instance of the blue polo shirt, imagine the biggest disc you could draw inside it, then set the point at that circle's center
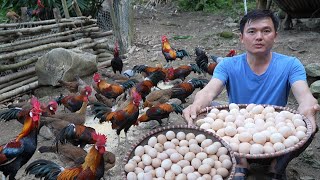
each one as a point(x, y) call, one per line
point(271, 87)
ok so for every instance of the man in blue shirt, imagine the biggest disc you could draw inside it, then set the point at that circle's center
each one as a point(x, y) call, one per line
point(259, 76)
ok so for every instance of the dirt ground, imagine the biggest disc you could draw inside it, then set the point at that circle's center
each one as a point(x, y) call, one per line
point(203, 29)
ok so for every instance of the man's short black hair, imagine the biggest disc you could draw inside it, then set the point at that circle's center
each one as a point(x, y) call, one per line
point(259, 14)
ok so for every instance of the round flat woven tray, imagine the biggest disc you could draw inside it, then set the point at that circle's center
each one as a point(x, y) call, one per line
point(205, 111)
point(176, 129)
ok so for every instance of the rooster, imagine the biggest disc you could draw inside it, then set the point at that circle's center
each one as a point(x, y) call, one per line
point(144, 87)
point(147, 70)
point(111, 90)
point(170, 53)
point(76, 135)
point(183, 71)
point(92, 168)
point(116, 61)
point(185, 89)
point(123, 119)
point(160, 112)
point(74, 102)
point(16, 153)
point(21, 114)
point(73, 155)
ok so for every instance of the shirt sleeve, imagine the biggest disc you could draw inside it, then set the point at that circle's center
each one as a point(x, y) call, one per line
point(297, 72)
point(220, 72)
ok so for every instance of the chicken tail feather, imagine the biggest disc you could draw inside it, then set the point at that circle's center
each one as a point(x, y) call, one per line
point(44, 168)
point(66, 133)
point(182, 53)
point(177, 108)
point(59, 99)
point(10, 114)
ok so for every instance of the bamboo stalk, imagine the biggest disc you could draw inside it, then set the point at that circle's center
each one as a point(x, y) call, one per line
point(19, 64)
point(19, 84)
point(39, 29)
point(16, 75)
point(19, 90)
point(89, 28)
point(44, 22)
point(76, 7)
point(65, 8)
point(45, 47)
point(14, 81)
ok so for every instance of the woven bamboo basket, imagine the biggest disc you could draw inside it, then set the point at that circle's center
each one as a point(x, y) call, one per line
point(176, 129)
point(205, 111)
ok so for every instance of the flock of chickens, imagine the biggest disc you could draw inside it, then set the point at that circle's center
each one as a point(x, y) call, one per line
point(119, 99)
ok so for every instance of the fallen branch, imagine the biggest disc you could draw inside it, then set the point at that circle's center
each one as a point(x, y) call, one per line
point(19, 90)
point(94, 35)
point(19, 64)
point(45, 47)
point(17, 85)
point(14, 81)
point(91, 44)
point(104, 64)
point(16, 75)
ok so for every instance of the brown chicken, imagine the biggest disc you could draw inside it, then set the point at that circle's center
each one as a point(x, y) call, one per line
point(182, 72)
point(20, 114)
point(116, 61)
point(111, 90)
point(147, 70)
point(91, 169)
point(157, 97)
point(76, 135)
point(73, 155)
point(74, 86)
point(16, 153)
point(123, 119)
point(160, 112)
point(101, 98)
point(74, 102)
point(203, 62)
point(170, 53)
point(13, 16)
point(115, 77)
point(144, 87)
point(185, 89)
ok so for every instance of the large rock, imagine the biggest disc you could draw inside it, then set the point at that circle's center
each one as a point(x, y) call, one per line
point(64, 64)
point(313, 69)
point(315, 88)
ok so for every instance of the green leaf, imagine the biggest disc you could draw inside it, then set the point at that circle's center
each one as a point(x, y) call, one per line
point(176, 37)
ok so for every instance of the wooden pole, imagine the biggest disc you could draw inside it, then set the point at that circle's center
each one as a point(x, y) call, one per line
point(19, 90)
point(19, 84)
point(16, 75)
point(65, 9)
point(14, 81)
point(76, 8)
point(19, 64)
point(116, 27)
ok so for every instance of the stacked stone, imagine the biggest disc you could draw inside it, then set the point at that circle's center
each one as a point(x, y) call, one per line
point(313, 73)
point(103, 53)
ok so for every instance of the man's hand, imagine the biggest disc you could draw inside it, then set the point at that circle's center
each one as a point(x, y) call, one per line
point(190, 113)
point(311, 113)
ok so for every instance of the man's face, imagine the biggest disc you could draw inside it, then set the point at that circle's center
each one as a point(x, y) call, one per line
point(258, 36)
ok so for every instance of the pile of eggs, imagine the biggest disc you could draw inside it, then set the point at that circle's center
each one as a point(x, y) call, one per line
point(179, 156)
point(255, 129)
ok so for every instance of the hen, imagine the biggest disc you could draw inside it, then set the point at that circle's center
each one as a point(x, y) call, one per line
point(123, 119)
point(182, 72)
point(73, 155)
point(91, 169)
point(116, 61)
point(74, 102)
point(74, 86)
point(144, 87)
point(185, 89)
point(203, 62)
point(159, 112)
point(15, 154)
point(111, 90)
point(170, 53)
point(147, 70)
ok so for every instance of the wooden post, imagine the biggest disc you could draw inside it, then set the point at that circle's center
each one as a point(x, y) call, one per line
point(116, 27)
point(65, 9)
point(56, 14)
point(76, 8)
point(24, 16)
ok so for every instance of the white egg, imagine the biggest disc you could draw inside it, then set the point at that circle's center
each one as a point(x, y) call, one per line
point(199, 122)
point(183, 163)
point(241, 130)
point(208, 120)
point(212, 149)
point(250, 107)
point(190, 136)
point(192, 141)
point(170, 151)
point(170, 135)
point(196, 163)
point(201, 155)
point(257, 109)
point(192, 176)
point(298, 122)
point(131, 176)
point(258, 116)
point(222, 151)
point(220, 132)
point(259, 138)
point(188, 169)
point(245, 137)
point(205, 126)
point(162, 156)
point(183, 150)
point(267, 134)
point(227, 163)
point(209, 161)
point(183, 143)
point(268, 109)
point(223, 172)
point(139, 151)
point(138, 170)
point(189, 156)
point(204, 169)
point(146, 159)
point(269, 115)
point(152, 141)
point(244, 148)
point(233, 106)
point(169, 175)
point(214, 110)
point(152, 153)
point(200, 138)
point(234, 112)
point(285, 131)
point(276, 137)
point(160, 172)
point(296, 116)
point(212, 115)
point(230, 118)
point(234, 147)
point(278, 146)
point(175, 141)
point(195, 148)
point(175, 157)
point(217, 124)
point(169, 145)
point(156, 162)
point(300, 135)
point(294, 139)
point(268, 149)
point(166, 164)
point(161, 139)
point(288, 143)
point(249, 120)
point(222, 115)
point(256, 149)
point(181, 177)
point(129, 167)
point(176, 169)
point(206, 143)
point(159, 147)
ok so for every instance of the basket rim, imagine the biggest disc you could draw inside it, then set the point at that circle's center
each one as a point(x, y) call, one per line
point(275, 154)
point(182, 127)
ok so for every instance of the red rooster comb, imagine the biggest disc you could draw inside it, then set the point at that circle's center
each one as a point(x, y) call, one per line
point(35, 103)
point(54, 105)
point(164, 38)
point(100, 139)
point(88, 89)
point(231, 53)
point(96, 77)
point(36, 109)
